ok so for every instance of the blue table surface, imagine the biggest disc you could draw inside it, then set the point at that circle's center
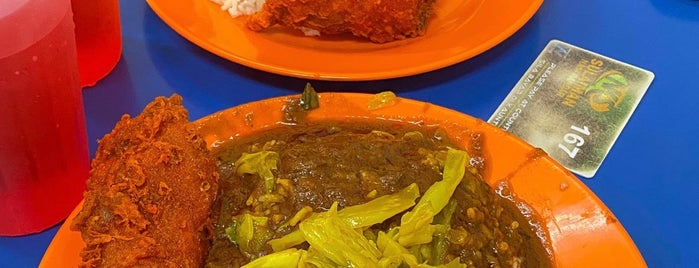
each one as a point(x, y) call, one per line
point(650, 179)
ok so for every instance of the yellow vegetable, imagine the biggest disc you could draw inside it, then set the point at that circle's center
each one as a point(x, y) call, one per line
point(415, 226)
point(380, 209)
point(383, 99)
point(338, 241)
point(292, 239)
point(261, 163)
point(341, 238)
point(250, 233)
point(373, 212)
point(284, 259)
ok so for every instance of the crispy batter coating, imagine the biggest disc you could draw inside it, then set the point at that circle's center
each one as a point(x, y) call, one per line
point(150, 191)
point(378, 20)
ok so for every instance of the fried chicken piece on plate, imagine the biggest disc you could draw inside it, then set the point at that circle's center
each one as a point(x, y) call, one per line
point(378, 20)
point(150, 191)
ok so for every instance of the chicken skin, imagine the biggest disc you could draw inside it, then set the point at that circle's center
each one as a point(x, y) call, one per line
point(380, 21)
point(150, 191)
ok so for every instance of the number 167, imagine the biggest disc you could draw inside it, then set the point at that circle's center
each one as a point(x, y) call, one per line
point(573, 138)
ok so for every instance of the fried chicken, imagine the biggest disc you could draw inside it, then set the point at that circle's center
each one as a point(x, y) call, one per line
point(378, 20)
point(150, 191)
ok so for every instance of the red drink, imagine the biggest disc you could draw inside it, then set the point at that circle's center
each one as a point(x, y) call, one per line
point(43, 143)
point(98, 35)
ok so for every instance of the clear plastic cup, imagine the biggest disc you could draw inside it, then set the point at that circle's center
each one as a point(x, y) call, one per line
point(43, 143)
point(98, 35)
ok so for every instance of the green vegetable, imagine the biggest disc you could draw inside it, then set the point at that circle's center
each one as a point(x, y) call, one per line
point(415, 226)
point(309, 98)
point(338, 241)
point(284, 259)
point(363, 215)
point(261, 163)
point(444, 217)
point(439, 243)
point(250, 233)
point(232, 232)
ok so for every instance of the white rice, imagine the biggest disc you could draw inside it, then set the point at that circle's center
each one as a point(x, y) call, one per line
point(240, 7)
point(309, 32)
point(248, 7)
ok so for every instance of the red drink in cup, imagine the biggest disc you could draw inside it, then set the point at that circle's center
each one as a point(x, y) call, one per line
point(43, 142)
point(98, 35)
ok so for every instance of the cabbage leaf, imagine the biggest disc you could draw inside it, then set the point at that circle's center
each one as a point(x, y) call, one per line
point(250, 233)
point(381, 208)
point(336, 238)
point(415, 226)
point(363, 215)
point(338, 241)
point(283, 259)
point(291, 239)
point(260, 163)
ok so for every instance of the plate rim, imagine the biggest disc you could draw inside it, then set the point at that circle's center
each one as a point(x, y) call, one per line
point(423, 67)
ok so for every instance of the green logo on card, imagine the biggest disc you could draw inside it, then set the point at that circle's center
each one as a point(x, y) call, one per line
point(608, 91)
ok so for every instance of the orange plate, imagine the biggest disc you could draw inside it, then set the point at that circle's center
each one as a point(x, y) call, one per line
point(583, 232)
point(458, 30)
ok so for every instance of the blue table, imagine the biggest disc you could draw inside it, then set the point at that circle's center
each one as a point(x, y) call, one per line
point(649, 179)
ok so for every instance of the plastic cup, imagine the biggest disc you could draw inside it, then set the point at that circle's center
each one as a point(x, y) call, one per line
point(43, 143)
point(98, 36)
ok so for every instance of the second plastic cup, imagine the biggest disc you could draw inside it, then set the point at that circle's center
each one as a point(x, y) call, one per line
point(98, 37)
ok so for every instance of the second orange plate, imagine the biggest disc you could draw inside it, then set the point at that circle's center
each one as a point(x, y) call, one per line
point(457, 31)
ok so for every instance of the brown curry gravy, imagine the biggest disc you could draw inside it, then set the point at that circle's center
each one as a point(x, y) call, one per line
point(342, 162)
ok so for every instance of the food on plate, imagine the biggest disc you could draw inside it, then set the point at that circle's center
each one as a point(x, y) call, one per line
point(379, 21)
point(301, 193)
point(150, 192)
point(364, 194)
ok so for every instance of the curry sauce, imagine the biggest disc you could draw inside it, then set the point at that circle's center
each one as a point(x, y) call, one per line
point(349, 164)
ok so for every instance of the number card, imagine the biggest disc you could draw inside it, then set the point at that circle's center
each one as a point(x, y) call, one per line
point(573, 104)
